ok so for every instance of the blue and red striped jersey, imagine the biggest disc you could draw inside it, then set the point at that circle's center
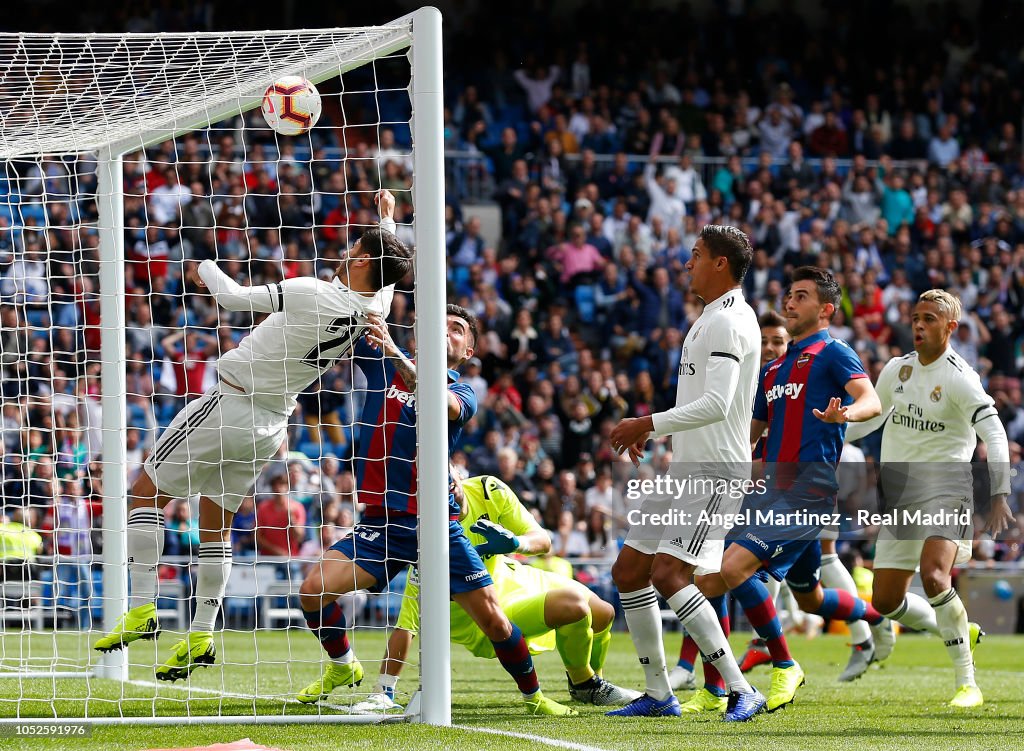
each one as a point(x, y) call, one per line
point(811, 373)
point(385, 452)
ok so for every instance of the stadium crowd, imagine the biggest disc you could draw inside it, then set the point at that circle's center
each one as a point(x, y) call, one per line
point(899, 173)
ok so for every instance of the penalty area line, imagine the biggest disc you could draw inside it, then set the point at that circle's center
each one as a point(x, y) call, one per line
point(531, 737)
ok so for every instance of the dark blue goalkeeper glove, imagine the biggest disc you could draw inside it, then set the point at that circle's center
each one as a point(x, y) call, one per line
point(499, 539)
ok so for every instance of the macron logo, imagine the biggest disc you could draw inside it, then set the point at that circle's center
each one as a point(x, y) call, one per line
point(779, 390)
point(404, 397)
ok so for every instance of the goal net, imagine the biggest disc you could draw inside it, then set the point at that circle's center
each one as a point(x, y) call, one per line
point(128, 160)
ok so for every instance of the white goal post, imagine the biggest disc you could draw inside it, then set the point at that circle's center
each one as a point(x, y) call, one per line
point(109, 95)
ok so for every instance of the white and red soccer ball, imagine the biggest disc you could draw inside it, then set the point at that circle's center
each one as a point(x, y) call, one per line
point(291, 105)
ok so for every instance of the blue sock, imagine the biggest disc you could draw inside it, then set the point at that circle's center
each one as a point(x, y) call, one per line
point(329, 627)
point(514, 656)
point(757, 603)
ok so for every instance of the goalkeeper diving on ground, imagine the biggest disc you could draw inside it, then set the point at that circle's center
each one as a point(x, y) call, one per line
point(552, 611)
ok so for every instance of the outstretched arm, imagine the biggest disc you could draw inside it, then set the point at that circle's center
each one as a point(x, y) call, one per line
point(229, 294)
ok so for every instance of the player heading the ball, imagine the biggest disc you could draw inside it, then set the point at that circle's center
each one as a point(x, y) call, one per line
point(218, 444)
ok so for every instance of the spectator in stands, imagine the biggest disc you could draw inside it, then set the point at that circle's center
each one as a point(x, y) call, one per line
point(538, 85)
point(182, 530)
point(72, 525)
point(243, 529)
point(569, 540)
point(576, 260)
point(280, 521)
point(943, 149)
point(829, 138)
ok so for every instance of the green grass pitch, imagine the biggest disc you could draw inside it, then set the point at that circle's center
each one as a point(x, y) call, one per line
point(900, 706)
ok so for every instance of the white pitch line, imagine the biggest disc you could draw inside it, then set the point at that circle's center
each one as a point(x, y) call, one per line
point(226, 694)
point(531, 737)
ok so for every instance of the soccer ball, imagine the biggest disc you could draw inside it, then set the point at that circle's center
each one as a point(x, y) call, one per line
point(291, 105)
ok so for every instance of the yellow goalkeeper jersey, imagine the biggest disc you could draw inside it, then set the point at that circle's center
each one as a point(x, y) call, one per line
point(488, 497)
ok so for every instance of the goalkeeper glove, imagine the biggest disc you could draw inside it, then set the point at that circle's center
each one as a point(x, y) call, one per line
point(499, 539)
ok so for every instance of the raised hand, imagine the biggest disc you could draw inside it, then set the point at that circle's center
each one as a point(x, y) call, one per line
point(835, 412)
point(499, 539)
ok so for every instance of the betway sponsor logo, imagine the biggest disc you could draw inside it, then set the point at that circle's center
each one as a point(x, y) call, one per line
point(405, 397)
point(779, 390)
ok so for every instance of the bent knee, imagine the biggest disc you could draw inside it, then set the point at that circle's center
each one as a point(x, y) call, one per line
point(602, 613)
point(495, 626)
point(734, 575)
point(573, 607)
point(627, 578)
point(935, 582)
point(711, 585)
point(312, 586)
point(669, 575)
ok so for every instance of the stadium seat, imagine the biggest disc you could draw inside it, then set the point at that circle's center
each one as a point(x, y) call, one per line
point(311, 449)
point(586, 306)
point(34, 211)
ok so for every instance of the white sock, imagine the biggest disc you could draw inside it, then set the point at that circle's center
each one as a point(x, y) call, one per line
point(701, 622)
point(643, 617)
point(386, 683)
point(346, 658)
point(916, 613)
point(835, 576)
point(145, 543)
point(951, 615)
point(211, 579)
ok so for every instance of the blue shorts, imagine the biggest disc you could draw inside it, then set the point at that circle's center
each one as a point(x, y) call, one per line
point(383, 547)
point(798, 562)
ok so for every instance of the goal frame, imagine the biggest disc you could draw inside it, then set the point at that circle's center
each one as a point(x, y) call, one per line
point(423, 38)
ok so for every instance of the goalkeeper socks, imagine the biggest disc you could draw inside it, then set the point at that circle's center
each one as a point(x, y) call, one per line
point(702, 623)
point(760, 610)
point(951, 616)
point(387, 683)
point(643, 617)
point(573, 642)
point(687, 652)
point(599, 649)
point(514, 656)
point(211, 579)
point(713, 681)
point(916, 613)
point(145, 543)
point(328, 625)
point(835, 576)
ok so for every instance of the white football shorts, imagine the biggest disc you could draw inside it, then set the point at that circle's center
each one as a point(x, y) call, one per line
point(690, 527)
point(216, 447)
point(899, 546)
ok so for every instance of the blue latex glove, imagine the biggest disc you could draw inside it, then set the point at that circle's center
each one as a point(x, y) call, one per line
point(499, 539)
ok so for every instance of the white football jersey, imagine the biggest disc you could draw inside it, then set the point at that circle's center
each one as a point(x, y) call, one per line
point(931, 413)
point(726, 330)
point(312, 324)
